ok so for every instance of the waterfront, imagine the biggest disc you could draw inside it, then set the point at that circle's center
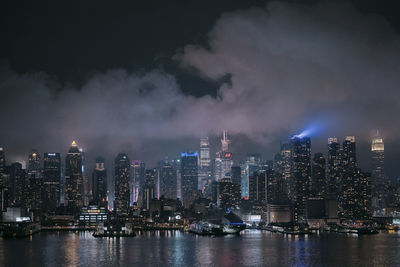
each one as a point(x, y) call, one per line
point(175, 248)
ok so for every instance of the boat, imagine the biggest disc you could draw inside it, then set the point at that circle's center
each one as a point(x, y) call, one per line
point(20, 229)
point(114, 230)
point(231, 224)
point(365, 230)
point(206, 228)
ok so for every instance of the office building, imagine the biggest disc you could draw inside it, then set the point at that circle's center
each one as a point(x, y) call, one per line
point(73, 178)
point(122, 176)
point(99, 183)
point(301, 174)
point(51, 180)
point(189, 172)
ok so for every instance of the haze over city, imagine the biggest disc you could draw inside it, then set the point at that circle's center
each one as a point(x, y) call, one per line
point(259, 78)
point(186, 133)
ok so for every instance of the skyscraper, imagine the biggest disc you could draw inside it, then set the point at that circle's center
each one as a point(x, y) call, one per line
point(249, 167)
point(34, 183)
point(137, 179)
point(380, 185)
point(283, 166)
point(99, 183)
point(204, 174)
point(189, 170)
point(17, 184)
point(122, 179)
point(223, 159)
point(258, 187)
point(334, 171)
point(73, 178)
point(86, 193)
point(364, 198)
point(301, 156)
point(236, 175)
point(350, 180)
point(276, 188)
point(51, 180)
point(228, 194)
point(318, 175)
point(168, 181)
point(148, 192)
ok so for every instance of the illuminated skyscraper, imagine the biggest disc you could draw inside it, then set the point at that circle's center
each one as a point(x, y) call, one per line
point(236, 175)
point(189, 170)
point(225, 141)
point(350, 180)
point(34, 163)
point(334, 171)
point(228, 194)
point(223, 159)
point(204, 174)
point(249, 167)
point(318, 175)
point(87, 194)
point(137, 179)
point(258, 187)
point(301, 173)
point(364, 197)
point(99, 183)
point(122, 178)
point(276, 187)
point(168, 181)
point(148, 192)
point(34, 184)
point(73, 178)
point(17, 184)
point(380, 184)
point(283, 166)
point(51, 180)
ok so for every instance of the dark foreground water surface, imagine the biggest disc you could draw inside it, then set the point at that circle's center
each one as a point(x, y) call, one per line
point(174, 248)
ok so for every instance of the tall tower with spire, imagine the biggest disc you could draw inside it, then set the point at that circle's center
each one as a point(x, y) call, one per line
point(379, 182)
point(204, 170)
point(225, 141)
point(73, 177)
point(223, 159)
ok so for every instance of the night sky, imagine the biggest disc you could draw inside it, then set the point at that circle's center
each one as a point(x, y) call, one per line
point(149, 79)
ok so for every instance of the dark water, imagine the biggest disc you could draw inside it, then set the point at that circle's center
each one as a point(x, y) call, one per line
point(173, 248)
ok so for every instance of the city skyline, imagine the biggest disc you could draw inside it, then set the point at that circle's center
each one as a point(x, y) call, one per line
point(200, 133)
point(265, 84)
point(329, 176)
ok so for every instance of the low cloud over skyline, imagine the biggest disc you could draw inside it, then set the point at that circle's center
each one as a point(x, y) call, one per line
point(286, 66)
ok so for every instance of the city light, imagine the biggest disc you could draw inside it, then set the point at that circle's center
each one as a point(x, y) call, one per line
point(308, 132)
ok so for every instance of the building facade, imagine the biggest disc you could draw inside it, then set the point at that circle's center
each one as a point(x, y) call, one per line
point(189, 172)
point(73, 178)
point(122, 176)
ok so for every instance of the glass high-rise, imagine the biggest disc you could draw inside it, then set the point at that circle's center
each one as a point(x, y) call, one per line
point(204, 164)
point(333, 168)
point(99, 183)
point(301, 174)
point(189, 172)
point(51, 180)
point(122, 178)
point(73, 178)
point(380, 184)
point(168, 181)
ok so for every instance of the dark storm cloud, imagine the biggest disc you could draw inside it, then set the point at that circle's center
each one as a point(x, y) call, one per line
point(289, 65)
point(292, 65)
